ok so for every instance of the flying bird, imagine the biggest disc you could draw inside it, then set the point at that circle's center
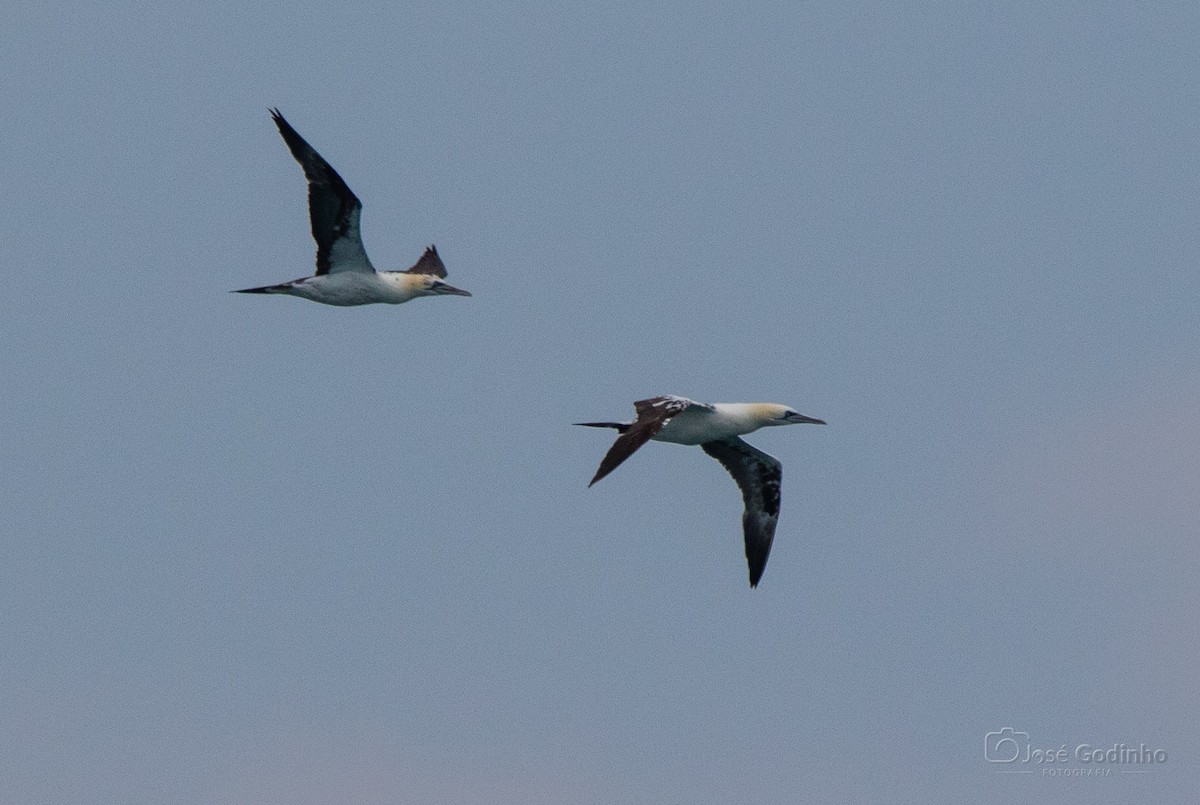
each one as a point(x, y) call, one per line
point(345, 275)
point(716, 428)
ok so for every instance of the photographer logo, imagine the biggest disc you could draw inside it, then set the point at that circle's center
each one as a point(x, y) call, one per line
point(1014, 753)
point(1005, 746)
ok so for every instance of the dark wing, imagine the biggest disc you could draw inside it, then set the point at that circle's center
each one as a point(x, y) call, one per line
point(758, 475)
point(430, 263)
point(332, 206)
point(652, 414)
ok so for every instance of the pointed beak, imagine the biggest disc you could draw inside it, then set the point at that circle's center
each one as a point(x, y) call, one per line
point(450, 290)
point(801, 419)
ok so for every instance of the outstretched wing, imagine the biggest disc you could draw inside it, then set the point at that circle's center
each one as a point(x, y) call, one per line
point(430, 263)
point(759, 476)
point(652, 414)
point(332, 206)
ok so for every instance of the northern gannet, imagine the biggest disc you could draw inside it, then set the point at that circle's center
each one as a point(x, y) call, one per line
point(716, 428)
point(344, 274)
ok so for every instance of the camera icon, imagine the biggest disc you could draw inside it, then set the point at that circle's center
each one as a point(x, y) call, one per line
point(1004, 746)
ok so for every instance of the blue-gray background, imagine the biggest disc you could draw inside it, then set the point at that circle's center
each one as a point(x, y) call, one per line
point(260, 550)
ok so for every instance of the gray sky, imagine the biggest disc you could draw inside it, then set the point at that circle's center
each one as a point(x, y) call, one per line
point(261, 550)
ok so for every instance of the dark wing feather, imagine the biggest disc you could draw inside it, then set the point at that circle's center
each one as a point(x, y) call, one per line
point(759, 476)
point(652, 414)
point(430, 263)
point(332, 207)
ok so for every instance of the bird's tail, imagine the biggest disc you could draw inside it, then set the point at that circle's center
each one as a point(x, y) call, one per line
point(264, 289)
point(620, 426)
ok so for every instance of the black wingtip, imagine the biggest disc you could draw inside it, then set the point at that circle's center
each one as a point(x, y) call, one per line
point(600, 474)
point(756, 571)
point(285, 128)
point(430, 263)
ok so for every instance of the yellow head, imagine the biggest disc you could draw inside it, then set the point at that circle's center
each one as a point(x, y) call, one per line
point(776, 414)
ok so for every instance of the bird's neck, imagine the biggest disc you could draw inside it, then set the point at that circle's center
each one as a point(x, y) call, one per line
point(742, 417)
point(402, 283)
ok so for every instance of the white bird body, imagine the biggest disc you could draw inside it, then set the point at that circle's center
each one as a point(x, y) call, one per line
point(716, 428)
point(347, 288)
point(699, 424)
